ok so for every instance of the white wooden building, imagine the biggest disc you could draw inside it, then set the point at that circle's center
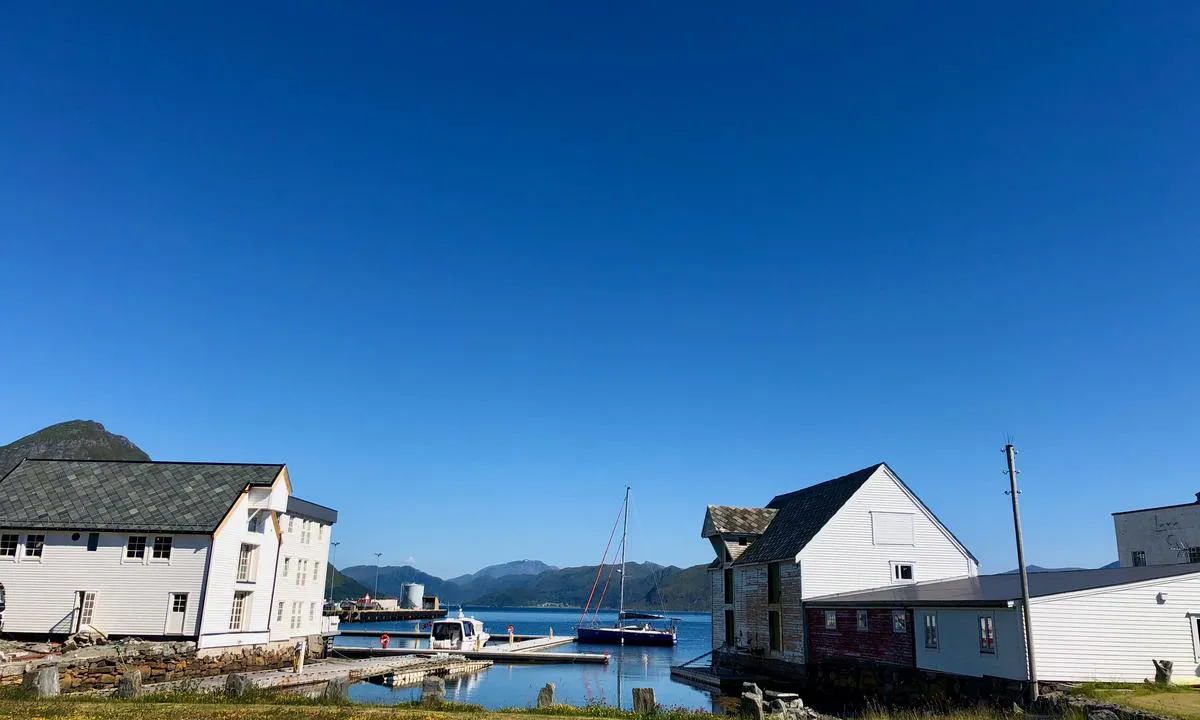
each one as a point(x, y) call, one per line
point(862, 530)
point(161, 550)
point(1105, 625)
point(1159, 535)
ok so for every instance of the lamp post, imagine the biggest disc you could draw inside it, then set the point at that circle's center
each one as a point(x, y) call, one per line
point(377, 556)
point(332, 567)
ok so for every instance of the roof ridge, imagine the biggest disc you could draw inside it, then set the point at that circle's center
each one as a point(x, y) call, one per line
point(870, 468)
point(153, 462)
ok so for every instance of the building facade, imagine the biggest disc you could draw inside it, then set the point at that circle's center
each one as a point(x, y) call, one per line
point(158, 551)
point(862, 530)
point(1159, 536)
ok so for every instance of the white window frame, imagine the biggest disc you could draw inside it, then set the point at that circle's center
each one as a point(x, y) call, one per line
point(239, 610)
point(312, 611)
point(1193, 619)
point(16, 547)
point(291, 524)
point(287, 561)
point(153, 547)
point(134, 559)
point(937, 641)
point(279, 612)
point(895, 567)
point(831, 619)
point(25, 556)
point(248, 553)
point(991, 626)
point(175, 596)
point(87, 608)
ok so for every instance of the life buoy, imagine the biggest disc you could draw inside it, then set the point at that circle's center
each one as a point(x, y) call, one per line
point(384, 640)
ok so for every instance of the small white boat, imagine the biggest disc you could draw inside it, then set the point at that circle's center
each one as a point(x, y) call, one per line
point(460, 633)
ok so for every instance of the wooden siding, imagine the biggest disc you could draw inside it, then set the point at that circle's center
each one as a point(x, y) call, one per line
point(958, 643)
point(751, 610)
point(879, 643)
point(844, 558)
point(222, 582)
point(132, 597)
point(1112, 634)
point(1149, 530)
point(311, 594)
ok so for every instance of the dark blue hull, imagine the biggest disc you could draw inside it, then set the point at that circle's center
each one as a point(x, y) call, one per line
point(630, 636)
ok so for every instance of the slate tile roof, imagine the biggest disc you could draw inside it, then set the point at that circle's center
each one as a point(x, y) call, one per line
point(726, 519)
point(119, 496)
point(800, 515)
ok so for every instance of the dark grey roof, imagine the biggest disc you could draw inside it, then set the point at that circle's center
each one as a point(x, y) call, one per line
point(310, 510)
point(1194, 503)
point(116, 495)
point(801, 515)
point(998, 590)
point(726, 519)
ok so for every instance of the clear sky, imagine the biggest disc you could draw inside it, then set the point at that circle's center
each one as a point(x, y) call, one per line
point(470, 268)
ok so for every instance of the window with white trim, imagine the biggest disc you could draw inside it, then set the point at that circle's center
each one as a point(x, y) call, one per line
point(831, 619)
point(312, 611)
point(247, 563)
point(291, 524)
point(34, 544)
point(286, 565)
point(931, 631)
point(987, 635)
point(179, 602)
point(279, 612)
point(162, 548)
point(8, 545)
point(295, 614)
point(135, 547)
point(87, 609)
point(239, 615)
point(902, 572)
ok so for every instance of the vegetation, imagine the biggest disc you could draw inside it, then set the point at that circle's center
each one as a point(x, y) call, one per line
point(73, 440)
point(1180, 701)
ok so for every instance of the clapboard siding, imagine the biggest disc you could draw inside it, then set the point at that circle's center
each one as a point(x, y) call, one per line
point(131, 596)
point(879, 643)
point(958, 643)
point(1161, 533)
point(222, 581)
point(1113, 634)
point(310, 593)
point(717, 606)
point(843, 557)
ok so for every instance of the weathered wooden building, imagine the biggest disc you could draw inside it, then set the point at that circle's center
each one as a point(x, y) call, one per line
point(859, 531)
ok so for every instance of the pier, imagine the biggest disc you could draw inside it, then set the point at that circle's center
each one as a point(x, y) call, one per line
point(407, 634)
point(397, 615)
point(531, 650)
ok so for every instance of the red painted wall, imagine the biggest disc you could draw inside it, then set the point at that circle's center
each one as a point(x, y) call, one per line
point(880, 643)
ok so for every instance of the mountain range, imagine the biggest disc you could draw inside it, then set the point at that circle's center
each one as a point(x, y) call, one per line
point(71, 440)
point(523, 583)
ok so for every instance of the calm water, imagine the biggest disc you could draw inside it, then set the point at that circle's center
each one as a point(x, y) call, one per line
point(517, 685)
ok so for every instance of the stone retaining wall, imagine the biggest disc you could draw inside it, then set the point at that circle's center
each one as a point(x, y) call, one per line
point(100, 668)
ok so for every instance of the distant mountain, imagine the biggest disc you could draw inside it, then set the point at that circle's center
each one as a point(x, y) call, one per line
point(492, 572)
point(393, 577)
point(72, 440)
point(1040, 569)
point(343, 586)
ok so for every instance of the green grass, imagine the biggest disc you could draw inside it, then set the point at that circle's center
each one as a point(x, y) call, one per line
point(1178, 701)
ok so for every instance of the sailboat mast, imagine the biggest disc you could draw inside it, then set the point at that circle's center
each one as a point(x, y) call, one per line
point(624, 540)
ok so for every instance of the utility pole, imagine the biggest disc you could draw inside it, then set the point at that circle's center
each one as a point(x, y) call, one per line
point(377, 556)
point(1011, 453)
point(332, 567)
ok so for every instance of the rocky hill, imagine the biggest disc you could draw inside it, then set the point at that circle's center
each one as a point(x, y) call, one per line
point(72, 440)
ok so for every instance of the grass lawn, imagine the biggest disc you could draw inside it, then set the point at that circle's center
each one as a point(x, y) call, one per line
point(1181, 701)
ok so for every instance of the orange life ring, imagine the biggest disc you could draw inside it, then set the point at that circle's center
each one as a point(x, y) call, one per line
point(384, 640)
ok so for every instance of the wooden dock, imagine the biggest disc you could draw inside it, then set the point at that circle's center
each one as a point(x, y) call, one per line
point(393, 634)
point(526, 651)
point(397, 615)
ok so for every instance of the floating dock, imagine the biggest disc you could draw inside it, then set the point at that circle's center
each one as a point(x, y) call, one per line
point(397, 615)
point(531, 650)
point(393, 634)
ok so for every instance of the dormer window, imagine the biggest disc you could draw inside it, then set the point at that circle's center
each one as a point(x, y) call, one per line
point(743, 541)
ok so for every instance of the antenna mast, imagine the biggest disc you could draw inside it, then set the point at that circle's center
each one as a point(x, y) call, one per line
point(1011, 453)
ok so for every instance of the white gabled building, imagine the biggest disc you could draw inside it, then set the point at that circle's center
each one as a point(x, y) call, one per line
point(1159, 535)
point(161, 550)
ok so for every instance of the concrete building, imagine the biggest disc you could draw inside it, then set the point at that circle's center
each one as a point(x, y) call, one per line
point(1159, 535)
point(162, 550)
point(1105, 625)
point(859, 531)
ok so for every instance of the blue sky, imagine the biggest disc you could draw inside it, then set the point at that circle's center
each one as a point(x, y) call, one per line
point(470, 268)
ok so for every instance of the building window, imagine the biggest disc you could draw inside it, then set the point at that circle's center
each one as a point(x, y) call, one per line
point(316, 567)
point(321, 533)
point(162, 548)
point(301, 572)
point(774, 586)
point(931, 632)
point(246, 563)
point(8, 545)
point(775, 620)
point(728, 587)
point(860, 617)
point(291, 524)
point(34, 545)
point(241, 607)
point(279, 612)
point(305, 532)
point(286, 564)
point(1139, 558)
point(743, 541)
point(179, 602)
point(87, 608)
point(135, 548)
point(295, 614)
point(93, 541)
point(899, 621)
point(255, 524)
point(1194, 555)
point(831, 619)
point(729, 633)
point(902, 572)
point(312, 611)
point(987, 634)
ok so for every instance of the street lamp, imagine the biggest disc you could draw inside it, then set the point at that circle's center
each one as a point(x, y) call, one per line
point(377, 556)
point(332, 567)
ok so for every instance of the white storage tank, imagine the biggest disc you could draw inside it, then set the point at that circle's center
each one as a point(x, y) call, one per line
point(410, 596)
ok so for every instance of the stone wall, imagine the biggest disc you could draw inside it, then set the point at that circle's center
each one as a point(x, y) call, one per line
point(887, 684)
point(99, 668)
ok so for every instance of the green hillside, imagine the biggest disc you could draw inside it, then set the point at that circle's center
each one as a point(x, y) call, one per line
point(72, 440)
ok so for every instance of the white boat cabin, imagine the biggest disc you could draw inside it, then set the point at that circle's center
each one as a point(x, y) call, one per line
point(460, 633)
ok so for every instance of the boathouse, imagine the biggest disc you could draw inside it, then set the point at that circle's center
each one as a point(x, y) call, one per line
point(221, 554)
point(863, 530)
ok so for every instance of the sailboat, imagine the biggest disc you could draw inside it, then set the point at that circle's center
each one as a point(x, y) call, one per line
point(626, 630)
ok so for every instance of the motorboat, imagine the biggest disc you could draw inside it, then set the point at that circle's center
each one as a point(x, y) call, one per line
point(458, 633)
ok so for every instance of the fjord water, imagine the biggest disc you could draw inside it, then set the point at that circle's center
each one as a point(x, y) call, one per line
point(503, 686)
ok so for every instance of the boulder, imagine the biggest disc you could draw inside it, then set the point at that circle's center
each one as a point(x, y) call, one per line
point(130, 684)
point(433, 691)
point(750, 706)
point(337, 690)
point(237, 685)
point(776, 707)
point(1102, 714)
point(545, 696)
point(643, 701)
point(42, 682)
point(751, 688)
